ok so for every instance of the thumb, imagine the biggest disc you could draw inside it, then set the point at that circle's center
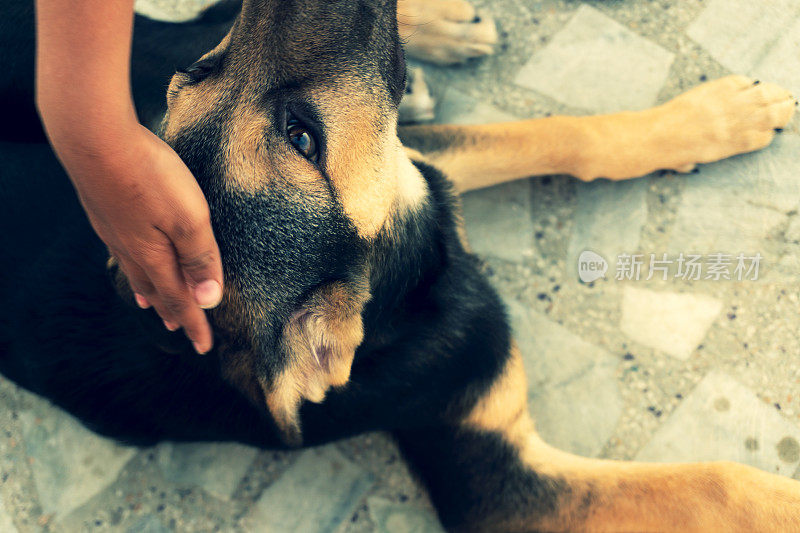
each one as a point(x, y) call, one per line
point(199, 259)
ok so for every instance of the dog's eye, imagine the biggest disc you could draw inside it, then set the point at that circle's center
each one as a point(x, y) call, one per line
point(302, 139)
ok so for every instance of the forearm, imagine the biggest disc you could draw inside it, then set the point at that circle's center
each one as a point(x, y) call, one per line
point(83, 66)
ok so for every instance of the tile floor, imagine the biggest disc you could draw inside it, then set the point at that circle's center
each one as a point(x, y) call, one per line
point(662, 370)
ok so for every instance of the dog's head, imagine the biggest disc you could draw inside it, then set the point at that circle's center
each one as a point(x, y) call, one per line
point(289, 126)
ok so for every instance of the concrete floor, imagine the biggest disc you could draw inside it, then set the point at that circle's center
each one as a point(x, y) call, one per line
point(664, 370)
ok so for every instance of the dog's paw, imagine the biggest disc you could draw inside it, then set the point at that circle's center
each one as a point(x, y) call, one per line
point(417, 103)
point(726, 117)
point(444, 32)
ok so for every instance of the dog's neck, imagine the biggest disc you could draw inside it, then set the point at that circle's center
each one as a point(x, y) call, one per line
point(410, 257)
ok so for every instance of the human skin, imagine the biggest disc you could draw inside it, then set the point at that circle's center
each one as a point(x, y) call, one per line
point(137, 193)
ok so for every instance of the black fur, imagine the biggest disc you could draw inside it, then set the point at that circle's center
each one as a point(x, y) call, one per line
point(477, 480)
point(436, 334)
point(159, 48)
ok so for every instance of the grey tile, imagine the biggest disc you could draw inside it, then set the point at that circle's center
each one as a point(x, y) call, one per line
point(723, 420)
point(498, 220)
point(390, 517)
point(70, 463)
point(781, 64)
point(572, 386)
point(597, 64)
point(316, 494)
point(6, 522)
point(456, 107)
point(735, 205)
point(609, 217)
point(740, 34)
point(674, 323)
point(147, 524)
point(216, 467)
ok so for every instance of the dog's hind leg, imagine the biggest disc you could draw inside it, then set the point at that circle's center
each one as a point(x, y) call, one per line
point(491, 472)
point(729, 116)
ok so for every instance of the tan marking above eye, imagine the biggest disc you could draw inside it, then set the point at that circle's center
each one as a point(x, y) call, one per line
point(364, 159)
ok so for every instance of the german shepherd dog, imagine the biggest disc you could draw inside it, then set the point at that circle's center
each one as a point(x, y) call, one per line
point(351, 302)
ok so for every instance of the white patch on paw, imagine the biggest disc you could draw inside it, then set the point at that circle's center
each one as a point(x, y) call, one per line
point(417, 104)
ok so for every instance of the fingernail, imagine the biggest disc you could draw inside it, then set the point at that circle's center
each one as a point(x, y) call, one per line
point(172, 326)
point(141, 301)
point(208, 293)
point(198, 349)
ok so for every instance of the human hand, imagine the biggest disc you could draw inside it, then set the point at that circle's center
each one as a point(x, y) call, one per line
point(146, 206)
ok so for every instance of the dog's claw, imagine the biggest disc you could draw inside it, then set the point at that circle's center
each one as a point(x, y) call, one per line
point(729, 116)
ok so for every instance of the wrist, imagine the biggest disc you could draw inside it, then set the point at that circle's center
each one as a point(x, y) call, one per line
point(72, 128)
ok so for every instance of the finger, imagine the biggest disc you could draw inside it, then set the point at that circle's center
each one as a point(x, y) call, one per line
point(199, 259)
point(141, 301)
point(137, 279)
point(173, 299)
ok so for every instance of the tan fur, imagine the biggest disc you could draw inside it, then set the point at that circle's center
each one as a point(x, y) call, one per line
point(332, 320)
point(238, 369)
point(625, 496)
point(504, 408)
point(373, 180)
point(716, 120)
point(195, 102)
point(362, 162)
point(444, 31)
point(250, 159)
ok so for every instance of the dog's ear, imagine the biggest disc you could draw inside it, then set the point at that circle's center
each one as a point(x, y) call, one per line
point(170, 342)
point(319, 342)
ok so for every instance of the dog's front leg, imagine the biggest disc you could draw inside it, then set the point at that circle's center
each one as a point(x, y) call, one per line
point(491, 472)
point(713, 121)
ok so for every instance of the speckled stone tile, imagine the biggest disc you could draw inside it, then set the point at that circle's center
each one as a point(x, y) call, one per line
point(148, 524)
point(597, 64)
point(215, 467)
point(781, 64)
point(456, 107)
point(608, 220)
point(572, 386)
point(601, 383)
point(722, 420)
point(70, 463)
point(740, 34)
point(674, 323)
point(498, 220)
point(315, 495)
point(390, 517)
point(6, 520)
point(741, 204)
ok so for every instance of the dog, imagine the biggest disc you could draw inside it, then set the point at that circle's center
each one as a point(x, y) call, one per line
point(352, 303)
